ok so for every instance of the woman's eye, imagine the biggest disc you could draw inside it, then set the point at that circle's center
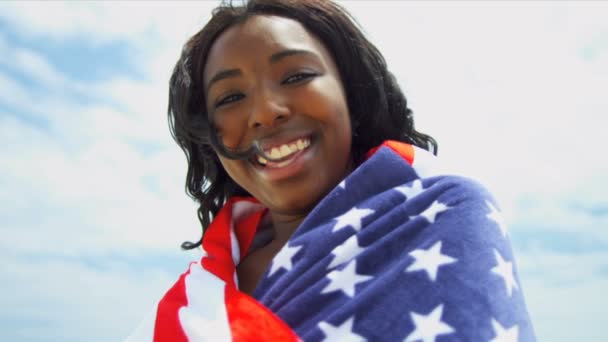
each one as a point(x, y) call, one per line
point(298, 77)
point(228, 99)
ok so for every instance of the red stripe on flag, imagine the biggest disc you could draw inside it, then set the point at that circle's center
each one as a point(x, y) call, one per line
point(251, 321)
point(167, 326)
point(246, 230)
point(217, 245)
point(404, 150)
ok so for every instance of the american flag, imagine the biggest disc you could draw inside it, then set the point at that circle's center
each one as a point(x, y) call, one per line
point(398, 251)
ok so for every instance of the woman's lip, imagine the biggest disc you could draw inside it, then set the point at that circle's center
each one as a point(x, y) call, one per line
point(298, 161)
point(283, 161)
point(267, 144)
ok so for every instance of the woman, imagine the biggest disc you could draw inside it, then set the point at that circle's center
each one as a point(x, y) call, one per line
point(324, 217)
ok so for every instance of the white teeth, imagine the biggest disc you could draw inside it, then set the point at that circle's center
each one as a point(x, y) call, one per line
point(262, 160)
point(300, 144)
point(275, 153)
point(284, 151)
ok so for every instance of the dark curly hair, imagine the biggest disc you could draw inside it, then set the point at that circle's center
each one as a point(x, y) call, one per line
point(377, 107)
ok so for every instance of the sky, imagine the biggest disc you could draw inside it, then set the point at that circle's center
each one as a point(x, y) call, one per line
point(92, 185)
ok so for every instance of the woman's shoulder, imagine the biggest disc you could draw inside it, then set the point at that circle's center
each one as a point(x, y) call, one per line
point(427, 186)
point(429, 169)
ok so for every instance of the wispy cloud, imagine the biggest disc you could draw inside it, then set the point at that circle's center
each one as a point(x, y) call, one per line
point(69, 300)
point(93, 204)
point(565, 293)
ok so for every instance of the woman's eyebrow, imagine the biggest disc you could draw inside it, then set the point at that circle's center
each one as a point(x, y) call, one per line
point(274, 58)
point(223, 75)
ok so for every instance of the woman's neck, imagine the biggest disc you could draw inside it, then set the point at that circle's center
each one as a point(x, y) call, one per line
point(284, 226)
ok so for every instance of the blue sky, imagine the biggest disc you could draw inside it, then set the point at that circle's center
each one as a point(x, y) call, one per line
point(93, 208)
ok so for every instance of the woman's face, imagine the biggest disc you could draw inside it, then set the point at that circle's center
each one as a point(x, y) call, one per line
point(271, 80)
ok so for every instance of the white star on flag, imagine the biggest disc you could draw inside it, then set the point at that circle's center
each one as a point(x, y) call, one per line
point(345, 251)
point(432, 211)
point(428, 326)
point(504, 335)
point(505, 270)
point(429, 260)
point(344, 332)
point(413, 191)
point(497, 217)
point(345, 280)
point(283, 259)
point(352, 218)
point(342, 184)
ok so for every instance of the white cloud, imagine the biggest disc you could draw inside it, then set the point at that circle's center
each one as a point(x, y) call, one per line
point(97, 196)
point(28, 63)
point(69, 300)
point(566, 288)
point(503, 82)
point(578, 308)
point(18, 94)
point(32, 64)
point(87, 169)
point(102, 22)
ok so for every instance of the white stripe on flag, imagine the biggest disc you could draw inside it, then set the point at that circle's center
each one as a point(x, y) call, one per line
point(205, 318)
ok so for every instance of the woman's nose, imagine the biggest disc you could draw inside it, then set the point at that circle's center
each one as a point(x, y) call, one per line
point(269, 110)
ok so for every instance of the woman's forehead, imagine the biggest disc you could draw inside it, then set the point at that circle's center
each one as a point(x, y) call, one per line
point(260, 37)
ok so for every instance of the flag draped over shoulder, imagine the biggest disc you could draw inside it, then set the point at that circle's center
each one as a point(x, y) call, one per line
point(398, 251)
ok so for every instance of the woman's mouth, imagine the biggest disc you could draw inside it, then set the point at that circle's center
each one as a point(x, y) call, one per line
point(283, 154)
point(291, 157)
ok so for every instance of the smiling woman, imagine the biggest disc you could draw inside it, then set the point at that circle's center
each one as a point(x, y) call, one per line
point(288, 90)
point(324, 216)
